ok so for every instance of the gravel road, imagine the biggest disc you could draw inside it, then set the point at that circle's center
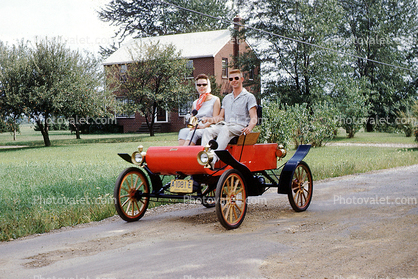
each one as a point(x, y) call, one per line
point(358, 226)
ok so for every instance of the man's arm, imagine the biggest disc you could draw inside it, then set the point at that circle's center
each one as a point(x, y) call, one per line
point(253, 120)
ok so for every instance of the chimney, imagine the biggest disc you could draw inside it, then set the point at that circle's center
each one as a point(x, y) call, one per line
point(235, 53)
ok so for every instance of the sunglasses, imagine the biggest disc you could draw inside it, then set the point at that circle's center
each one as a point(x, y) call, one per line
point(203, 84)
point(236, 78)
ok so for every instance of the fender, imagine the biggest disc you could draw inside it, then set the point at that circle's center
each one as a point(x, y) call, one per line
point(252, 185)
point(126, 157)
point(290, 166)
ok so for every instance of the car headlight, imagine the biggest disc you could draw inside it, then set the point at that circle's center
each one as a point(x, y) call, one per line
point(138, 158)
point(204, 158)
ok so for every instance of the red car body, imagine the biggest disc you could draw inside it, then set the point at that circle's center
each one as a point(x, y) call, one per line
point(172, 160)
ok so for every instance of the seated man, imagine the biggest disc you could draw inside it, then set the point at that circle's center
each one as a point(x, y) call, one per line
point(238, 114)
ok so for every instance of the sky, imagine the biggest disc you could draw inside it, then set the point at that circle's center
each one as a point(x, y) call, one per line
point(75, 21)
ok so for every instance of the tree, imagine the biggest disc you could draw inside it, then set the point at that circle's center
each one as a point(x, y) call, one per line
point(86, 101)
point(295, 71)
point(382, 31)
point(155, 80)
point(148, 18)
point(352, 104)
point(63, 83)
point(15, 77)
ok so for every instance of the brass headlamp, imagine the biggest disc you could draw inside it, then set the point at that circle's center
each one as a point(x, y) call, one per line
point(138, 157)
point(205, 157)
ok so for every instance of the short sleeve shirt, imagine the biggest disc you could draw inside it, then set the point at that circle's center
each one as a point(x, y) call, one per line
point(237, 110)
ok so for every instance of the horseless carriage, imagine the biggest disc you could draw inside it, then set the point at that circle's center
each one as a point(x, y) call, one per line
point(244, 169)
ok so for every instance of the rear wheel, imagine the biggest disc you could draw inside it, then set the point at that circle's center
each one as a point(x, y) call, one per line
point(131, 194)
point(301, 188)
point(231, 199)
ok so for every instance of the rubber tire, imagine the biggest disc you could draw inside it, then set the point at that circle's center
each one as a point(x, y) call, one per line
point(128, 194)
point(223, 199)
point(300, 193)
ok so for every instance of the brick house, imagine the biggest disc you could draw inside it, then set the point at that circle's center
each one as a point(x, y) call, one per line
point(208, 52)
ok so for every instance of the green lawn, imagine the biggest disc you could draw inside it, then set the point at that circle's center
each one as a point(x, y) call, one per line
point(72, 181)
point(363, 137)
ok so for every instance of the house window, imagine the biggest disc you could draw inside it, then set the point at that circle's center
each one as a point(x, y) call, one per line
point(185, 108)
point(190, 68)
point(251, 74)
point(224, 67)
point(123, 70)
point(162, 116)
point(122, 101)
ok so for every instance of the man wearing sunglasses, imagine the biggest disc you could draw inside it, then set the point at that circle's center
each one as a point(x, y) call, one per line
point(238, 114)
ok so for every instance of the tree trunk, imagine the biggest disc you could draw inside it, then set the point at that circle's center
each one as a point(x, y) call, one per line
point(150, 123)
point(350, 132)
point(44, 131)
point(369, 124)
point(77, 132)
point(76, 124)
point(151, 127)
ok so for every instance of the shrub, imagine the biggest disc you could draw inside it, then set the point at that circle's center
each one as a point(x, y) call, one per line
point(406, 122)
point(298, 123)
point(312, 125)
point(276, 125)
point(323, 124)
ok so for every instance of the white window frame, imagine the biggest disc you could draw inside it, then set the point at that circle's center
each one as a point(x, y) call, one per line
point(164, 121)
point(224, 67)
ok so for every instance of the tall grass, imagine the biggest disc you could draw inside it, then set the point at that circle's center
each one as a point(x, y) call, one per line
point(376, 137)
point(72, 182)
point(334, 161)
point(67, 184)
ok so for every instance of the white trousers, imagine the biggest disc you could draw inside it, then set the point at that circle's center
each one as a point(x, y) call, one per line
point(224, 131)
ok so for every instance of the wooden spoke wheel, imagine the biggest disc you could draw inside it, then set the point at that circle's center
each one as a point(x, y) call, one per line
point(208, 199)
point(301, 188)
point(231, 199)
point(131, 194)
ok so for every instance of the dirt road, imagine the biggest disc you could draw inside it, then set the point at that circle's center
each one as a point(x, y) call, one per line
point(360, 226)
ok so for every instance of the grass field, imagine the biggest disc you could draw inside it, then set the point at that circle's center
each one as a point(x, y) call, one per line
point(72, 181)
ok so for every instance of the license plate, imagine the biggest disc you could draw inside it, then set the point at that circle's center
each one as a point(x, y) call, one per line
point(181, 186)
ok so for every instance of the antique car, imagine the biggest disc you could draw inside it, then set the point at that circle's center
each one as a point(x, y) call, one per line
point(186, 172)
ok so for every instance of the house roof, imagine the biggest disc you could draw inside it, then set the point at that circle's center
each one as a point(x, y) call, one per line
point(192, 45)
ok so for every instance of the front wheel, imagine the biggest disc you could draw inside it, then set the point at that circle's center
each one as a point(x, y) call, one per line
point(301, 188)
point(231, 199)
point(131, 194)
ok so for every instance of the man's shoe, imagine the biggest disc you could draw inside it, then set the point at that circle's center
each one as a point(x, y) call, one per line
point(214, 160)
